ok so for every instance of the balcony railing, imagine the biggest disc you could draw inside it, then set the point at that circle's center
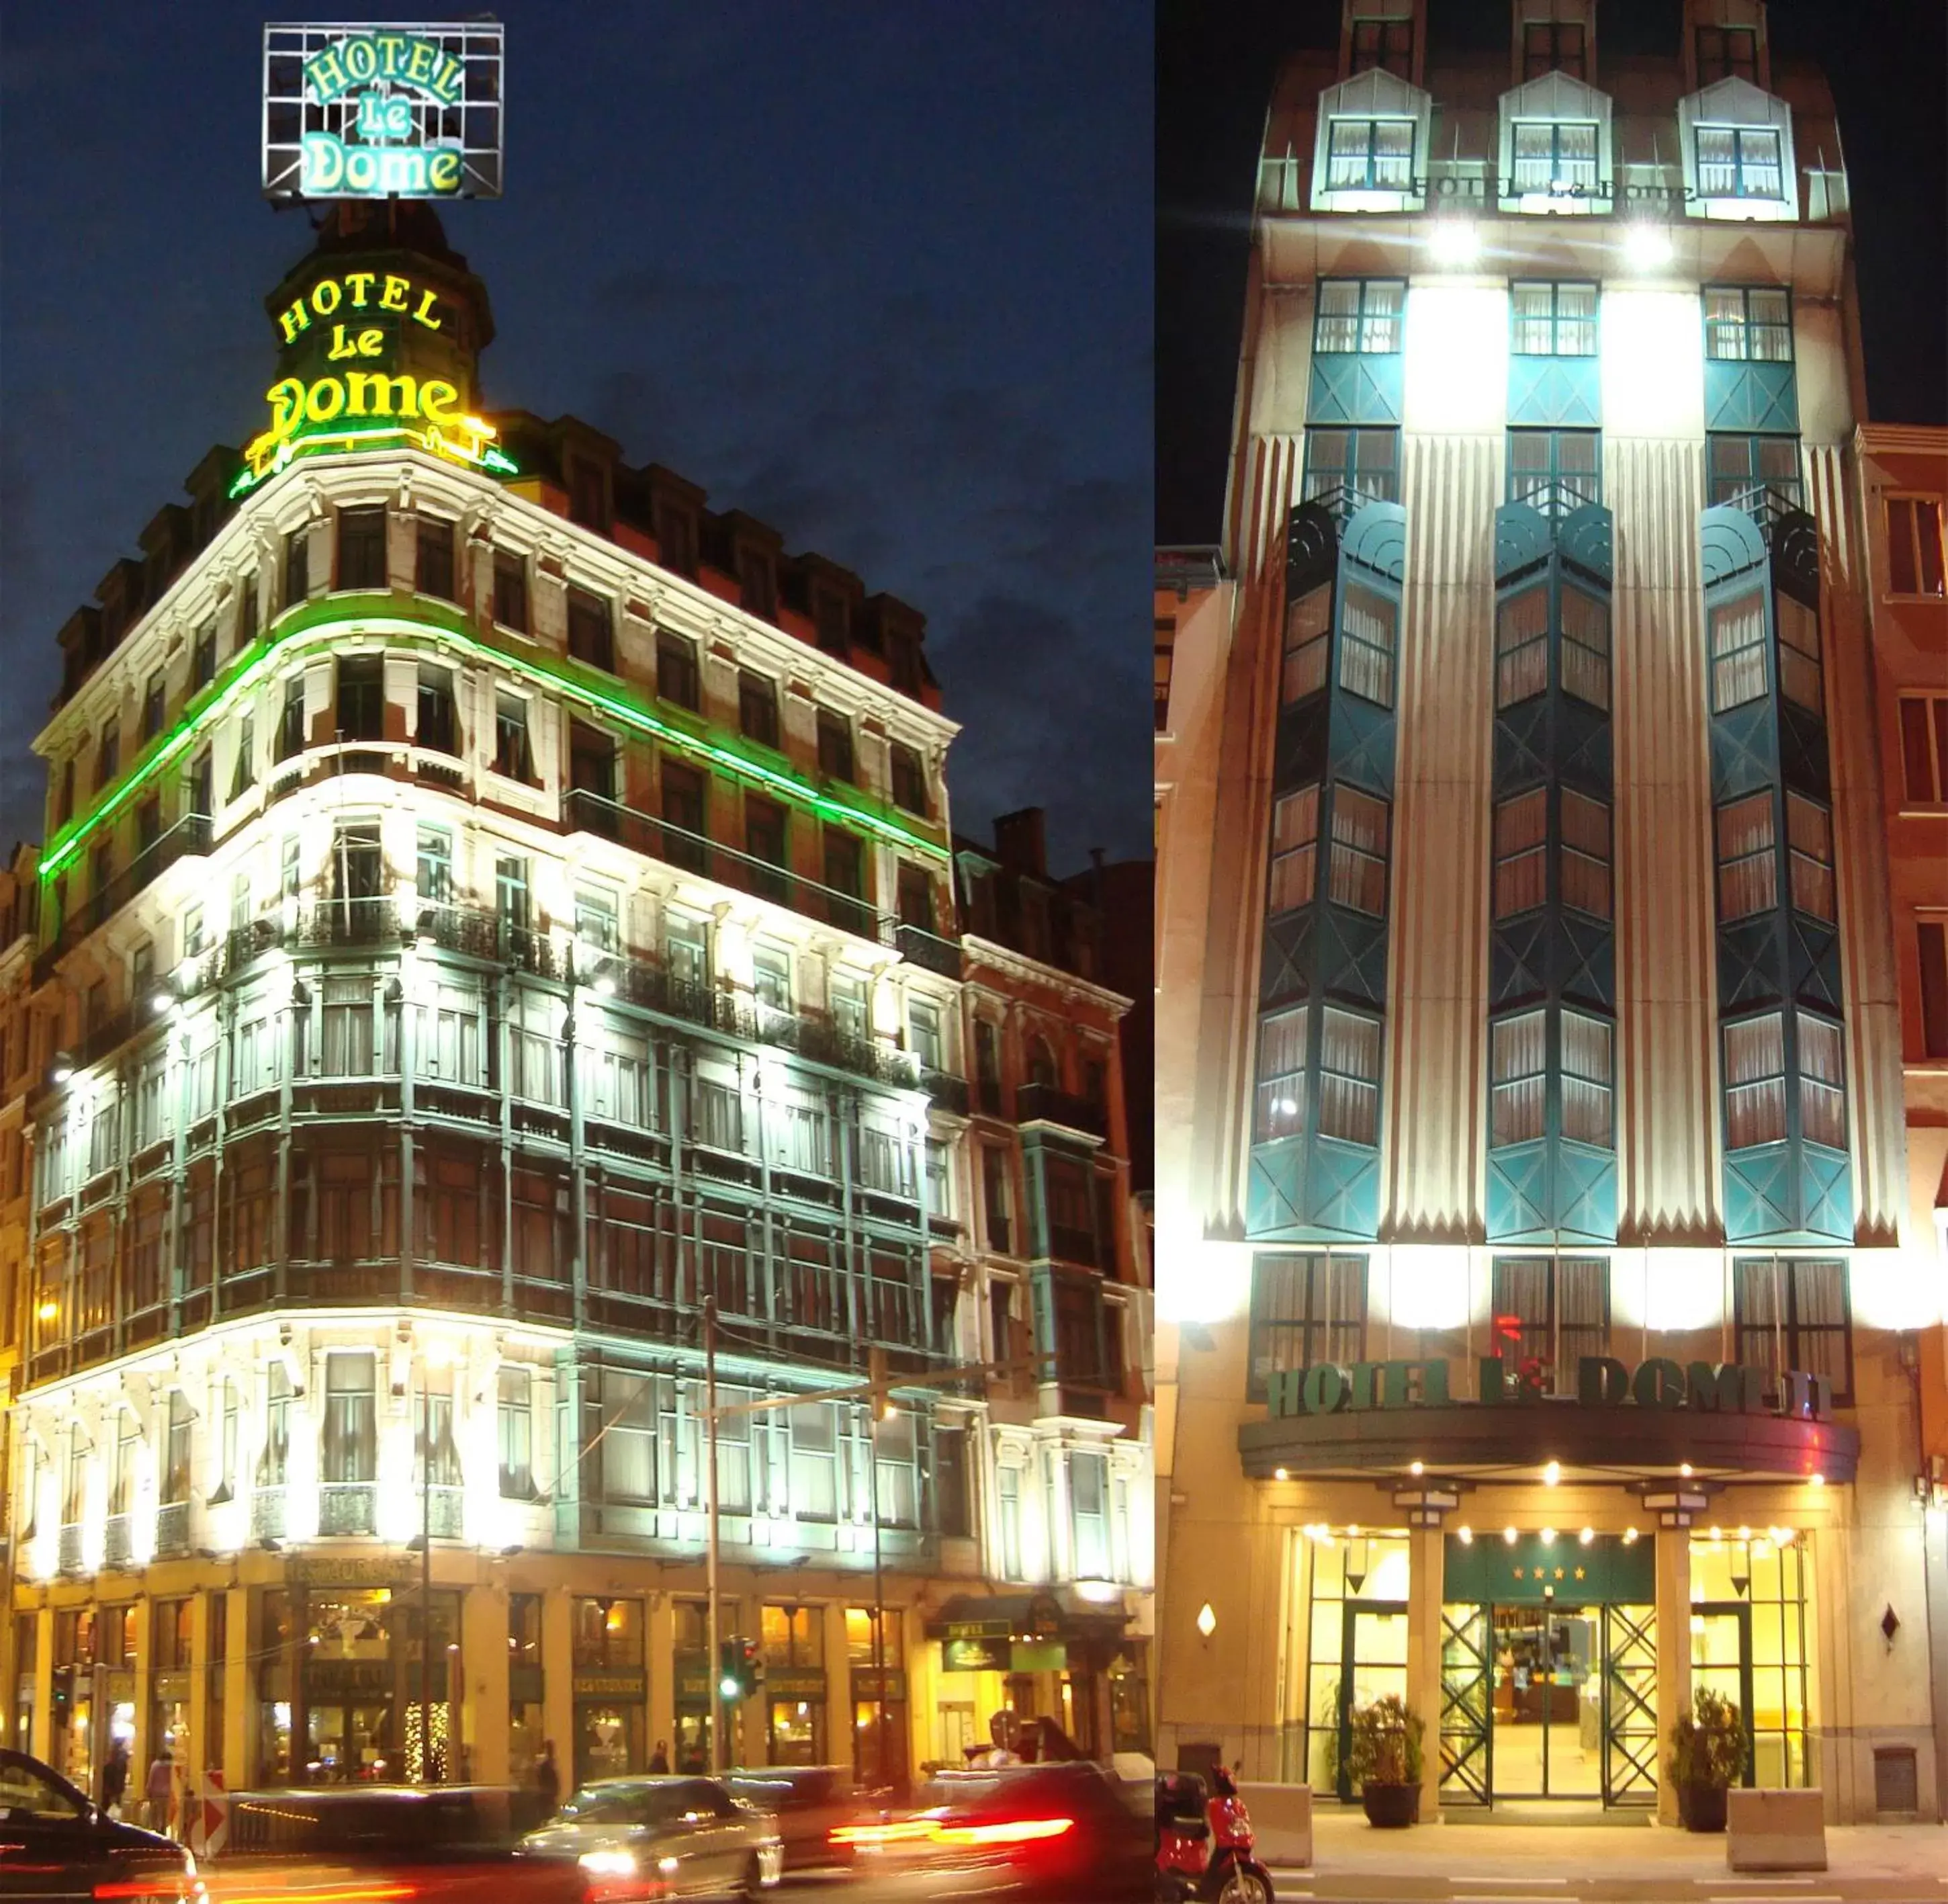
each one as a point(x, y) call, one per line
point(190, 835)
point(347, 1508)
point(588, 812)
point(266, 1514)
point(1558, 498)
point(172, 1527)
point(119, 1547)
point(1343, 501)
point(1042, 1103)
point(445, 1512)
point(1771, 505)
point(928, 950)
point(70, 1548)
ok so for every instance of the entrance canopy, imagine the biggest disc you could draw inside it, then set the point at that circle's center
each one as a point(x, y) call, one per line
point(1512, 1442)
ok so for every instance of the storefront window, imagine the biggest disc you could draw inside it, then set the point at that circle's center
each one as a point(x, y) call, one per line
point(272, 1652)
point(610, 1687)
point(879, 1709)
point(1354, 1590)
point(525, 1718)
point(1750, 1637)
point(793, 1637)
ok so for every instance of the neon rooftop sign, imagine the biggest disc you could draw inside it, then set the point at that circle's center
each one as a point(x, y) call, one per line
point(382, 111)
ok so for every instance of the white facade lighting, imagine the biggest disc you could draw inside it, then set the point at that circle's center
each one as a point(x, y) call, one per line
point(1647, 247)
point(1456, 240)
point(1551, 1474)
point(1207, 1620)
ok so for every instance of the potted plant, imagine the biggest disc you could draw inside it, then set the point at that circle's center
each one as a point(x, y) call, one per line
point(1383, 1759)
point(1707, 1751)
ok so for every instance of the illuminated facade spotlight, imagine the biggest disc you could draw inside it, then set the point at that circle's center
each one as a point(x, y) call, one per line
point(1646, 246)
point(1456, 240)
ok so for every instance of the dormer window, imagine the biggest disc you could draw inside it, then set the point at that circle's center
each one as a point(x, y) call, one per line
point(1557, 160)
point(1738, 162)
point(1554, 46)
point(1727, 53)
point(757, 589)
point(1387, 43)
point(1370, 155)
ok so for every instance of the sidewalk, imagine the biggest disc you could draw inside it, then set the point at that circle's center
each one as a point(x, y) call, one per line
point(1579, 1864)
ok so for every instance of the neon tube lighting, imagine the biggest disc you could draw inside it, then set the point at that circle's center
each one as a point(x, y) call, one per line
point(321, 622)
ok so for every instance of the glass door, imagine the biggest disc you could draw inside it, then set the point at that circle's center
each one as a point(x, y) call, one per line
point(1547, 1703)
point(1721, 1658)
point(1372, 1664)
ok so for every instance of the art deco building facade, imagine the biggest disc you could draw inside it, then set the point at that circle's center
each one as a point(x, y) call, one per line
point(493, 905)
point(1538, 1280)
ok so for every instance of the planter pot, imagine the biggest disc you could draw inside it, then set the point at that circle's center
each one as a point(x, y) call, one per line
point(1390, 1808)
point(1701, 1808)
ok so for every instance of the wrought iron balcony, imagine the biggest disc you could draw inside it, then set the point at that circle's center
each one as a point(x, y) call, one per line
point(1558, 498)
point(266, 1514)
point(189, 835)
point(70, 1548)
point(1343, 501)
point(586, 810)
point(1042, 1103)
point(928, 950)
point(947, 1091)
point(172, 1527)
point(347, 1508)
point(1771, 505)
point(119, 1547)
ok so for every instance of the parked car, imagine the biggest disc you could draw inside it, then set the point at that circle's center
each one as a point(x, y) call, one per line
point(1067, 1833)
point(690, 1833)
point(810, 1803)
point(56, 1844)
point(437, 1844)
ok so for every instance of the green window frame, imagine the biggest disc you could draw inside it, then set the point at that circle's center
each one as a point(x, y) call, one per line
point(1557, 157)
point(1747, 324)
point(1554, 316)
point(1795, 1313)
point(1359, 316)
point(1738, 464)
point(1364, 154)
point(1305, 1308)
point(1365, 461)
point(1739, 162)
point(1556, 471)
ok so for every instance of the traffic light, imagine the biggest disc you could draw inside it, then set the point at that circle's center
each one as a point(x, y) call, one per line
point(63, 1693)
point(739, 1667)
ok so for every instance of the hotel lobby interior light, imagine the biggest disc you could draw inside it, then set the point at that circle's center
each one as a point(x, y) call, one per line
point(1551, 1474)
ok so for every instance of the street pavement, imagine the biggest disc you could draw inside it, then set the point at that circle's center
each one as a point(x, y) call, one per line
point(1603, 1864)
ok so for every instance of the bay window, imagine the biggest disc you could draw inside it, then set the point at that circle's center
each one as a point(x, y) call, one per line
point(1282, 1065)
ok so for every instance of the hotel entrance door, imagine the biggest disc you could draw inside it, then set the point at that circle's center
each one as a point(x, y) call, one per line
point(1547, 1690)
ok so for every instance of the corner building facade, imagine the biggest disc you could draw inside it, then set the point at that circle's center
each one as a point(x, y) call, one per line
point(493, 905)
point(1538, 1273)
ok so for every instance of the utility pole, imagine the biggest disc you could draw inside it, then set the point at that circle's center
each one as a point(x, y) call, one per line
point(713, 1659)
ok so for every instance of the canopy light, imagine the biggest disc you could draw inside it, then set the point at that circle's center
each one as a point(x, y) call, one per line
point(1456, 241)
point(1551, 1474)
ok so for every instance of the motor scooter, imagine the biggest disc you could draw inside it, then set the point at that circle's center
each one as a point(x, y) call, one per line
point(1205, 1842)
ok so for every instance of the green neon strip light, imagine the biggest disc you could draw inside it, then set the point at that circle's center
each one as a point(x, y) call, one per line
point(319, 622)
point(350, 440)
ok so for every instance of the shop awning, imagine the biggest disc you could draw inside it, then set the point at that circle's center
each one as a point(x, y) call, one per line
point(1022, 1617)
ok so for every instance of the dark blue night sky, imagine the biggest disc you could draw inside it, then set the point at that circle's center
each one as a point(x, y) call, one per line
point(880, 275)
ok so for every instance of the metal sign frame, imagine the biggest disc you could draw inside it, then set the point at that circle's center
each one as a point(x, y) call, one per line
point(469, 124)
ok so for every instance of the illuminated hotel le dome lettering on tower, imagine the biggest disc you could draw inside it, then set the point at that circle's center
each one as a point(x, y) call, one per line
point(1540, 1291)
point(492, 906)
